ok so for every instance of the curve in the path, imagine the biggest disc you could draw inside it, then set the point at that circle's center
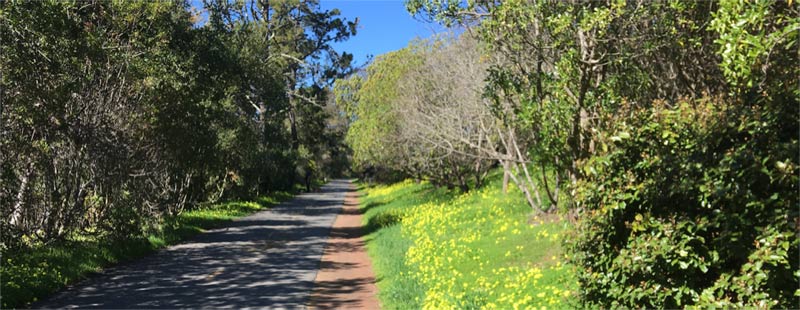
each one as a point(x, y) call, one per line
point(265, 260)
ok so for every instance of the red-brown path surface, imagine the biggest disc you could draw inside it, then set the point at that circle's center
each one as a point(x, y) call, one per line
point(345, 279)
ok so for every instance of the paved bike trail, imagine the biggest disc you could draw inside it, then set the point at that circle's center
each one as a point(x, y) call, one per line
point(265, 260)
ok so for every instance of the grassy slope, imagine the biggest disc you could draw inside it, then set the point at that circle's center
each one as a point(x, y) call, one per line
point(44, 270)
point(440, 250)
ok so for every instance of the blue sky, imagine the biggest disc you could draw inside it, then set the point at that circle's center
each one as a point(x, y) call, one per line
point(384, 26)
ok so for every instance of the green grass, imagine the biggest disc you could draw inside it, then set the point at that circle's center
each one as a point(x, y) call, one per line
point(386, 246)
point(43, 270)
point(483, 249)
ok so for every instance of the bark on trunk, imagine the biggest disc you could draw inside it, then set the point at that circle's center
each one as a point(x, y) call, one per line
point(293, 126)
point(506, 175)
point(23, 188)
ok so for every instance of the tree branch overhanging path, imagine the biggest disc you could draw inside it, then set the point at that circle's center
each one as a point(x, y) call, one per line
point(266, 260)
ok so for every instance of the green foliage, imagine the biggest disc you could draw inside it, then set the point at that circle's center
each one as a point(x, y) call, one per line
point(125, 118)
point(39, 272)
point(692, 205)
point(754, 37)
point(369, 100)
point(446, 12)
point(676, 123)
point(119, 114)
point(695, 204)
point(562, 67)
point(407, 119)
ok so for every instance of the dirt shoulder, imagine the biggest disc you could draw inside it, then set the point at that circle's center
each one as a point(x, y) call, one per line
point(345, 279)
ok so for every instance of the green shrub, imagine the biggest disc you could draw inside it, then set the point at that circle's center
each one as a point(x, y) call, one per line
point(695, 204)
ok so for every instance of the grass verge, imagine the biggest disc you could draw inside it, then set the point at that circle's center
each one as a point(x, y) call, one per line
point(440, 250)
point(41, 271)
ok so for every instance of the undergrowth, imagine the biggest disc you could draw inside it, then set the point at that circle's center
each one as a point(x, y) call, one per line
point(44, 269)
point(436, 249)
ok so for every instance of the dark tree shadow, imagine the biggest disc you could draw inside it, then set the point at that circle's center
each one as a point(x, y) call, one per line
point(266, 260)
point(339, 288)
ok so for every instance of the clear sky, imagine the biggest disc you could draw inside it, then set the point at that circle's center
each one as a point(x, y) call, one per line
point(384, 26)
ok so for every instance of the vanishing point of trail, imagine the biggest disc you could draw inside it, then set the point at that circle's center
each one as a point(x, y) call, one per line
point(266, 260)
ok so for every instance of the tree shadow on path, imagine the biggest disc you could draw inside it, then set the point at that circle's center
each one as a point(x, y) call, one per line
point(266, 260)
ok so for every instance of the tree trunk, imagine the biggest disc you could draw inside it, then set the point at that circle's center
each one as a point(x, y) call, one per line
point(293, 125)
point(552, 195)
point(291, 83)
point(478, 179)
point(23, 188)
point(462, 182)
point(529, 198)
point(308, 182)
point(506, 176)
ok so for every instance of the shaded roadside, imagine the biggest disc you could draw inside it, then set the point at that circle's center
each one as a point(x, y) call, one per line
point(345, 279)
point(266, 260)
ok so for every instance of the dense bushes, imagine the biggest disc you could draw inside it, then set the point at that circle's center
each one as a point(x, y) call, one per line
point(116, 115)
point(672, 127)
point(78, 115)
point(121, 120)
point(693, 204)
point(418, 112)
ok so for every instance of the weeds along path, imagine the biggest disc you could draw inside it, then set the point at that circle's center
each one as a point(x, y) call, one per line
point(265, 260)
point(346, 279)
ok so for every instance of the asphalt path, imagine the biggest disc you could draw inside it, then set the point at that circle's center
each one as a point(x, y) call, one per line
point(265, 260)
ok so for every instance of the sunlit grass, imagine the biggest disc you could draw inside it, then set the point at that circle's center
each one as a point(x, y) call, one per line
point(384, 206)
point(482, 249)
point(43, 270)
